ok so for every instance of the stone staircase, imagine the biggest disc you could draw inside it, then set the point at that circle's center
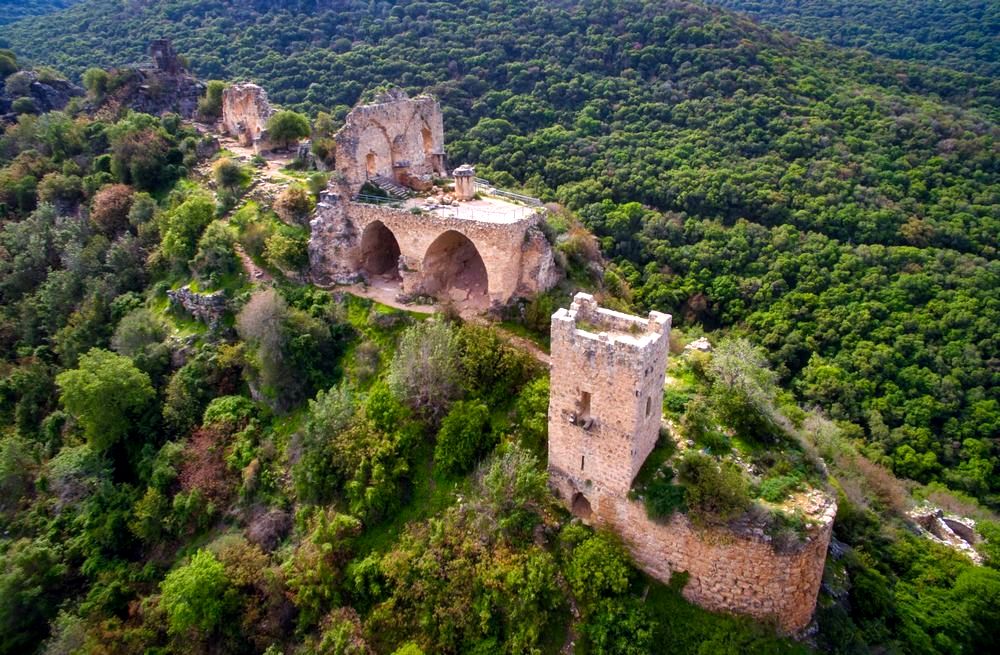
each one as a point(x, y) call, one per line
point(390, 186)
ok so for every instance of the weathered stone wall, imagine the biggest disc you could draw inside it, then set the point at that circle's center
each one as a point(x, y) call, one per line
point(209, 308)
point(517, 256)
point(396, 137)
point(245, 112)
point(595, 453)
point(730, 570)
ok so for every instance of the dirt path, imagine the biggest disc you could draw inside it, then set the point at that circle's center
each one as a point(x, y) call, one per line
point(254, 273)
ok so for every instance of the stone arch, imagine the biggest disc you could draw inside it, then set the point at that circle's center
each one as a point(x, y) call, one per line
point(379, 251)
point(453, 268)
point(581, 506)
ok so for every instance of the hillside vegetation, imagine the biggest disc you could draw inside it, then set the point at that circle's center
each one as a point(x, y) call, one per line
point(14, 10)
point(961, 34)
point(840, 210)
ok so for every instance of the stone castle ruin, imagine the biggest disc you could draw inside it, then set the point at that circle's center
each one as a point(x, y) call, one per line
point(396, 138)
point(605, 412)
point(469, 247)
point(158, 86)
point(245, 112)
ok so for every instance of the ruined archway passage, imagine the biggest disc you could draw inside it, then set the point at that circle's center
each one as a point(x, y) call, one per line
point(379, 251)
point(453, 269)
point(580, 506)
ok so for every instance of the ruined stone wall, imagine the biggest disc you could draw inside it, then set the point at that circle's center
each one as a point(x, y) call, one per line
point(392, 138)
point(245, 112)
point(734, 571)
point(517, 256)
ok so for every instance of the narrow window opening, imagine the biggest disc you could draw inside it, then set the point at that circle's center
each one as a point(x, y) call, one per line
point(584, 405)
point(649, 406)
point(582, 458)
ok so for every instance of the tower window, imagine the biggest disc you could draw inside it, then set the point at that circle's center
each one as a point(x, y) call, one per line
point(649, 405)
point(582, 458)
point(584, 405)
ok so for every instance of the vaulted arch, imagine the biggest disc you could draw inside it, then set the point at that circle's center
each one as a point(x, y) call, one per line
point(454, 269)
point(379, 251)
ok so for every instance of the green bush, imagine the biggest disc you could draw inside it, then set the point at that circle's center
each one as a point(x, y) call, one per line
point(197, 596)
point(463, 438)
point(715, 493)
point(775, 490)
point(662, 497)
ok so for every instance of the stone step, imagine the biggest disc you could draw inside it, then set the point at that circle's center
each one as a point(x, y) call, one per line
point(391, 187)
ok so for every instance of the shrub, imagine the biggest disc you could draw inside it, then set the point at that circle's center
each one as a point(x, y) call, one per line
point(210, 107)
point(24, 105)
point(285, 251)
point(216, 255)
point(293, 205)
point(106, 394)
point(714, 493)
point(425, 372)
point(228, 174)
point(95, 81)
point(463, 437)
point(197, 596)
point(598, 568)
point(110, 208)
point(662, 497)
point(775, 490)
point(619, 626)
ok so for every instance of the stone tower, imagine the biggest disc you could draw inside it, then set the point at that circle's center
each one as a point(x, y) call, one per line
point(606, 400)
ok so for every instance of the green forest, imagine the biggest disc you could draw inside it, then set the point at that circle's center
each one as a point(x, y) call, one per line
point(959, 35)
point(317, 473)
point(15, 10)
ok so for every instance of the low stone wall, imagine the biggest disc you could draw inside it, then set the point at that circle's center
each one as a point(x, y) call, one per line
point(209, 308)
point(742, 571)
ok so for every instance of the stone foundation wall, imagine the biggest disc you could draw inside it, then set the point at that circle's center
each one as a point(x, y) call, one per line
point(245, 112)
point(517, 256)
point(742, 572)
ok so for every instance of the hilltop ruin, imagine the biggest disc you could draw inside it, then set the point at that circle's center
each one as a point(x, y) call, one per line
point(605, 414)
point(477, 246)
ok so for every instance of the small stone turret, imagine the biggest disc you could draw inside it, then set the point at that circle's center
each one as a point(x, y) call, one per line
point(465, 182)
point(164, 57)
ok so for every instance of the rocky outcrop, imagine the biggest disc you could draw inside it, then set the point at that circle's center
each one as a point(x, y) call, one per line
point(161, 87)
point(209, 308)
point(46, 94)
point(949, 530)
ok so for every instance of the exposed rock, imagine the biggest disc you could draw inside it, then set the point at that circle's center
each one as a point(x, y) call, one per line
point(164, 86)
point(47, 95)
point(701, 344)
point(956, 532)
point(209, 308)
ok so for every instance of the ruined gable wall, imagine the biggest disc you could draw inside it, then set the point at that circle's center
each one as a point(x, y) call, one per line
point(245, 112)
point(338, 227)
point(396, 131)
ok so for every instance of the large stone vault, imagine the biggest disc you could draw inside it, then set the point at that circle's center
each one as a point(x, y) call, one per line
point(475, 254)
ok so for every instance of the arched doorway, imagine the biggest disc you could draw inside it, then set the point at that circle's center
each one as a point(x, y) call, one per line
point(453, 269)
point(581, 506)
point(379, 252)
point(371, 165)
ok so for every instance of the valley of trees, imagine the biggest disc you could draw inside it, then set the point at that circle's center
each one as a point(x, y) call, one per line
point(14, 10)
point(840, 210)
point(959, 35)
point(319, 474)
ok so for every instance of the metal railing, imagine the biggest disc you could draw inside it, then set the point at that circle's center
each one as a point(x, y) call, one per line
point(378, 200)
point(489, 188)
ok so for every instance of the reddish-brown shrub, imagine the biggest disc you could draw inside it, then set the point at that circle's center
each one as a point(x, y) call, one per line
point(204, 465)
point(110, 207)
